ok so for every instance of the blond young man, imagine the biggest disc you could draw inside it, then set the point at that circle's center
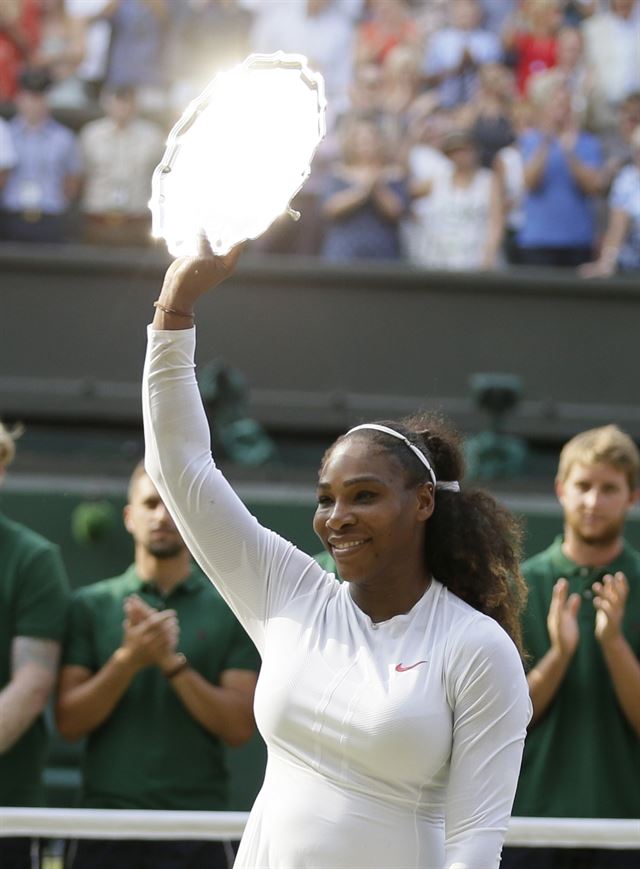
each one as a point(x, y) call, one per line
point(33, 607)
point(582, 630)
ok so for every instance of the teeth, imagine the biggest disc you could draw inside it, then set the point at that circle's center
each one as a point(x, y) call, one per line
point(349, 545)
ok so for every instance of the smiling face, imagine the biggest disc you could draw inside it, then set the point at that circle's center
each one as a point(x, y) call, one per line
point(371, 520)
point(595, 499)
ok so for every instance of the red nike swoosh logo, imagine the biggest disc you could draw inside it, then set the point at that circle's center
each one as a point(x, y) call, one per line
point(400, 668)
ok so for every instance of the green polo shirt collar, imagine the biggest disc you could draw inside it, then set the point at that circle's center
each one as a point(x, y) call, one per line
point(133, 584)
point(564, 566)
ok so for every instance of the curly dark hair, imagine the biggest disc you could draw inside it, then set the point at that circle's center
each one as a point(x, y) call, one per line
point(473, 545)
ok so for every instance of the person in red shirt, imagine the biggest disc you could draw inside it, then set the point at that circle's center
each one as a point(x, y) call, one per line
point(390, 24)
point(19, 35)
point(532, 37)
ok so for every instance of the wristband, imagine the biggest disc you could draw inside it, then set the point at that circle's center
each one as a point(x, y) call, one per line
point(179, 667)
point(175, 311)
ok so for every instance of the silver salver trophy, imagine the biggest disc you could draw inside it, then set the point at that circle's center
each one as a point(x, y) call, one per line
point(239, 154)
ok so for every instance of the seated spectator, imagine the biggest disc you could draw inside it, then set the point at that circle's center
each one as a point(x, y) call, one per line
point(611, 40)
point(60, 52)
point(532, 39)
point(366, 197)
point(19, 34)
point(137, 50)
point(390, 24)
point(34, 595)
point(620, 249)
point(489, 115)
point(120, 152)
point(563, 177)
point(455, 54)
point(465, 223)
point(46, 177)
point(8, 156)
point(159, 676)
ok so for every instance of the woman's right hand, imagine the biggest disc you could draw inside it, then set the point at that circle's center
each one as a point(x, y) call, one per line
point(189, 277)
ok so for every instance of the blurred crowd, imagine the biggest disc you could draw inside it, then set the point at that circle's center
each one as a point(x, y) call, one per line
point(469, 134)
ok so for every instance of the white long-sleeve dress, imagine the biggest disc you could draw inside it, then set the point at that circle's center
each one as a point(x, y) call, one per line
point(394, 745)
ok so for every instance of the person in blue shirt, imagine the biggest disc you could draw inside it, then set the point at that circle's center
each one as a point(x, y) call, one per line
point(563, 177)
point(46, 176)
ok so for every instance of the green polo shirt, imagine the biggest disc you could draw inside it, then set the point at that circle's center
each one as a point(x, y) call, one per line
point(150, 753)
point(33, 603)
point(582, 759)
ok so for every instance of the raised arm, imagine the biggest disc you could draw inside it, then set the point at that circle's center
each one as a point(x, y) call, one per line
point(255, 570)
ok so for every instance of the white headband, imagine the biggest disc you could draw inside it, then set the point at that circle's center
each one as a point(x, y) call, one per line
point(452, 486)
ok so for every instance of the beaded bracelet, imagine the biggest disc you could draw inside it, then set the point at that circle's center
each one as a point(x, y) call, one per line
point(174, 311)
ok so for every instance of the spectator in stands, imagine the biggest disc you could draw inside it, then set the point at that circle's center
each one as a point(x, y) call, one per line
point(454, 55)
point(429, 128)
point(365, 89)
point(33, 606)
point(465, 223)
point(509, 168)
point(19, 33)
point(531, 38)
point(496, 13)
point(46, 177)
point(205, 36)
point(156, 718)
point(563, 177)
point(137, 50)
point(319, 29)
point(617, 145)
point(366, 197)
point(400, 87)
point(620, 250)
point(389, 25)
point(570, 62)
point(611, 51)
point(93, 18)
point(489, 115)
point(120, 152)
point(60, 51)
point(582, 753)
point(8, 155)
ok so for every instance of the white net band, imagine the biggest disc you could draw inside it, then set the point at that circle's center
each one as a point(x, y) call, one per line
point(224, 826)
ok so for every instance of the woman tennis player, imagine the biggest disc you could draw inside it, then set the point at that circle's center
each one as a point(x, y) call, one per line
point(394, 704)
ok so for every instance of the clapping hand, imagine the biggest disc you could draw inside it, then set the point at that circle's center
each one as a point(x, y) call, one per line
point(150, 636)
point(562, 619)
point(610, 600)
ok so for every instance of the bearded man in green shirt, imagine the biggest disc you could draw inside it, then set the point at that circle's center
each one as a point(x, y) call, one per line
point(158, 674)
point(582, 630)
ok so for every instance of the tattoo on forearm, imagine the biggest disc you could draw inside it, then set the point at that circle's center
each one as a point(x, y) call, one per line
point(28, 650)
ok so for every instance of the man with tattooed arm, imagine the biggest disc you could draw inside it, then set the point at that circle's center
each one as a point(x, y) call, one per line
point(33, 607)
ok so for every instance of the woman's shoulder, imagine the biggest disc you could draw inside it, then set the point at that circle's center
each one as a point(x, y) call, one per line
point(471, 630)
